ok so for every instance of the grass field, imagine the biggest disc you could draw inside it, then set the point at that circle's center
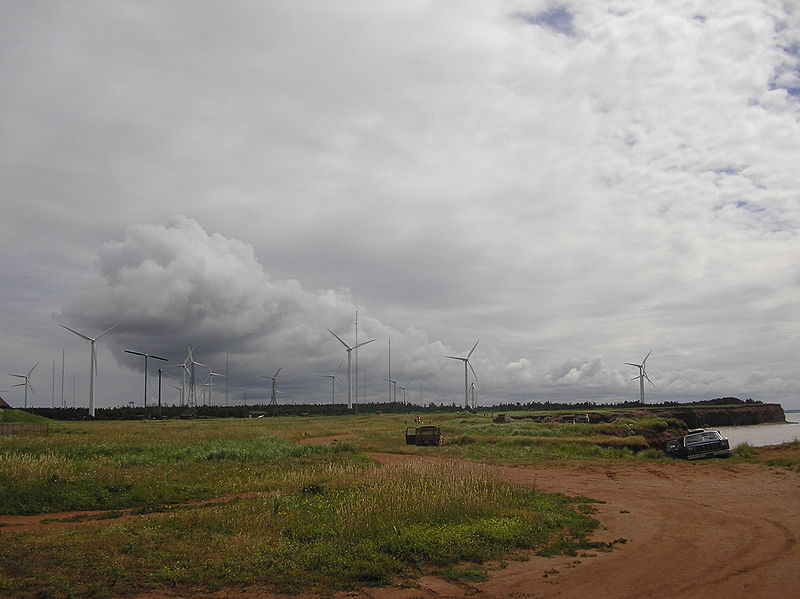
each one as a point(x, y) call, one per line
point(249, 504)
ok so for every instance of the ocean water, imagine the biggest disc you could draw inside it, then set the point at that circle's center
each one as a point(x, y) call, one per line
point(759, 435)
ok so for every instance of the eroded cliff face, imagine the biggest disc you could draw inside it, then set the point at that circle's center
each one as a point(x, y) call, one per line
point(701, 417)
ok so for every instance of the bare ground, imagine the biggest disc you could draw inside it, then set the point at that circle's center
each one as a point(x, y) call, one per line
point(709, 529)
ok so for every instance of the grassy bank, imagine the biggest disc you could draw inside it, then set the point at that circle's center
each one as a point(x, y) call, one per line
point(304, 516)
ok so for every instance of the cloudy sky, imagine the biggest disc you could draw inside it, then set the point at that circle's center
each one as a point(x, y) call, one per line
point(573, 183)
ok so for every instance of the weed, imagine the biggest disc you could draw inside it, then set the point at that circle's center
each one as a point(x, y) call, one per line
point(464, 574)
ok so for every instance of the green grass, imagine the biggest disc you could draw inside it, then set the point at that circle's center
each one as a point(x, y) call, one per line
point(12, 415)
point(335, 528)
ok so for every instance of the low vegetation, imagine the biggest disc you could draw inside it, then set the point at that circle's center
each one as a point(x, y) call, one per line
point(230, 505)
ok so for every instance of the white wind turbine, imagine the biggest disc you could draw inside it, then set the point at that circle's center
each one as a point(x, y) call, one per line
point(405, 389)
point(393, 383)
point(466, 380)
point(349, 349)
point(273, 400)
point(211, 376)
point(333, 382)
point(642, 375)
point(26, 382)
point(92, 362)
point(146, 357)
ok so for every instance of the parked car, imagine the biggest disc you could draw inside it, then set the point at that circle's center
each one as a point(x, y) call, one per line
point(699, 444)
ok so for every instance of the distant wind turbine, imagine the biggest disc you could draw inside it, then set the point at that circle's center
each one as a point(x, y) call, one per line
point(273, 399)
point(333, 382)
point(349, 349)
point(466, 380)
point(92, 361)
point(189, 364)
point(211, 376)
point(146, 357)
point(642, 375)
point(26, 382)
point(405, 389)
point(393, 383)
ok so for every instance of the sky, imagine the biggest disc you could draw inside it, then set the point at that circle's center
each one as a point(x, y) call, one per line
point(574, 184)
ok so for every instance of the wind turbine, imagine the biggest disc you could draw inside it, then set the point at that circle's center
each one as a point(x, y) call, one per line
point(146, 356)
point(182, 366)
point(211, 376)
point(349, 349)
point(26, 383)
point(405, 400)
point(92, 362)
point(273, 401)
point(467, 363)
point(190, 364)
point(473, 391)
point(642, 375)
point(393, 383)
point(333, 382)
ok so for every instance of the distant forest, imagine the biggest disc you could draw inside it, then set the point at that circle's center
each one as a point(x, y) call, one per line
point(265, 411)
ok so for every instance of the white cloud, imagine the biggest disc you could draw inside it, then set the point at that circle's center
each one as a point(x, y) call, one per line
point(557, 179)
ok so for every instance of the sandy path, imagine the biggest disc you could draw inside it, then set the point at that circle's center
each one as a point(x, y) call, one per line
point(692, 529)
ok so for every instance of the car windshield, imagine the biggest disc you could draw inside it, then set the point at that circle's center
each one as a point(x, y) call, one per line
point(701, 437)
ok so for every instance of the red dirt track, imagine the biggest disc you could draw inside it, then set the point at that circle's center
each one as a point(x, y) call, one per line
point(709, 529)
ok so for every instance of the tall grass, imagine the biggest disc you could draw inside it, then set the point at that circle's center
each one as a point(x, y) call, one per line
point(51, 476)
point(327, 528)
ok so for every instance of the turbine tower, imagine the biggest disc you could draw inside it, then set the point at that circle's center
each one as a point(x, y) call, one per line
point(273, 400)
point(189, 364)
point(349, 349)
point(26, 382)
point(393, 386)
point(92, 361)
point(211, 376)
point(405, 389)
point(333, 386)
point(146, 357)
point(466, 380)
point(642, 375)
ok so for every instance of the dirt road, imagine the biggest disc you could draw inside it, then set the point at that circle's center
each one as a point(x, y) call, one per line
point(692, 529)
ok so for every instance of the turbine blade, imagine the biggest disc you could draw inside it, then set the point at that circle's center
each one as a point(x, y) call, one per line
point(94, 359)
point(340, 339)
point(160, 358)
point(32, 389)
point(277, 371)
point(647, 378)
point(473, 348)
point(364, 343)
point(32, 368)
point(135, 353)
point(22, 376)
point(647, 356)
point(20, 384)
point(472, 369)
point(76, 332)
point(632, 364)
point(106, 331)
point(456, 358)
